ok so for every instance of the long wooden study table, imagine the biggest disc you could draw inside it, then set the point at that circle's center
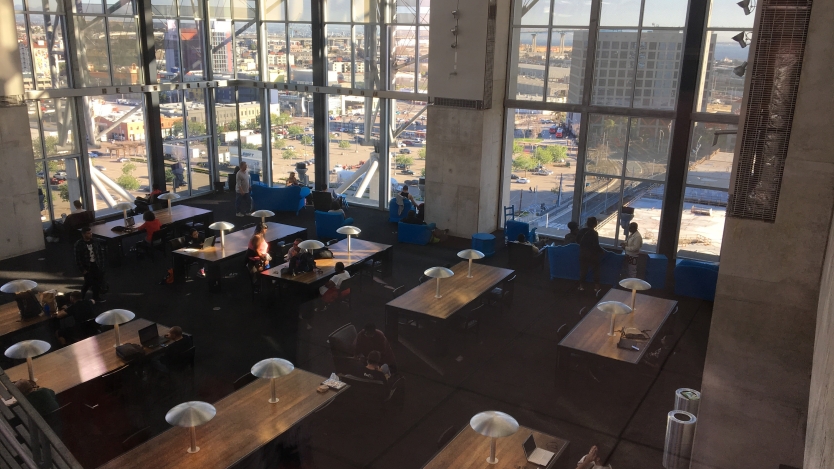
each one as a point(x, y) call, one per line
point(245, 421)
point(10, 320)
point(84, 360)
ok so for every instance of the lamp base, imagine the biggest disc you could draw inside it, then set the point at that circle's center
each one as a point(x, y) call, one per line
point(611, 334)
point(196, 448)
point(438, 296)
point(273, 400)
point(492, 461)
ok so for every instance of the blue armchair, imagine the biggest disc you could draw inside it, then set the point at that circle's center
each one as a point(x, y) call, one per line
point(327, 223)
point(414, 234)
point(393, 217)
point(656, 267)
point(696, 279)
point(279, 199)
point(514, 228)
point(564, 263)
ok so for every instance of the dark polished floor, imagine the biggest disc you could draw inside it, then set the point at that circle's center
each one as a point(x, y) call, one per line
point(621, 408)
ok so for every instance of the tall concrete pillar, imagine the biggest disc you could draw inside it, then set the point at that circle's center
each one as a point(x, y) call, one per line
point(21, 231)
point(758, 370)
point(463, 146)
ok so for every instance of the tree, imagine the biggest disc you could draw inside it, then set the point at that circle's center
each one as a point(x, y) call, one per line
point(404, 160)
point(288, 154)
point(523, 163)
point(51, 144)
point(254, 123)
point(518, 148)
point(423, 173)
point(64, 192)
point(169, 175)
point(295, 130)
point(543, 155)
point(196, 128)
point(232, 125)
point(306, 140)
point(280, 119)
point(421, 154)
point(249, 146)
point(177, 128)
point(344, 144)
point(127, 180)
point(560, 153)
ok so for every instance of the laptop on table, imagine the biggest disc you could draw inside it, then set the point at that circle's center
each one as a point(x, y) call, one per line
point(209, 242)
point(149, 337)
point(535, 455)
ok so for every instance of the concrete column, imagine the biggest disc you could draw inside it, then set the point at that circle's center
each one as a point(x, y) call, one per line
point(463, 146)
point(21, 231)
point(757, 374)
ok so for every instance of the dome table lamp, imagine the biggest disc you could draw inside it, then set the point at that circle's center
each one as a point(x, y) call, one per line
point(18, 286)
point(470, 254)
point(613, 308)
point(493, 424)
point(28, 349)
point(222, 227)
point(438, 273)
point(634, 284)
point(263, 214)
point(190, 415)
point(349, 230)
point(270, 369)
point(169, 196)
point(124, 207)
point(114, 317)
point(311, 244)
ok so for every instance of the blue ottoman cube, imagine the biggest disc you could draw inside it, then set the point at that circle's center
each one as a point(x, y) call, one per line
point(484, 242)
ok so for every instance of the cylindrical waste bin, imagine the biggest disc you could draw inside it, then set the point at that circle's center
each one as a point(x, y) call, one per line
point(688, 400)
point(680, 431)
point(232, 182)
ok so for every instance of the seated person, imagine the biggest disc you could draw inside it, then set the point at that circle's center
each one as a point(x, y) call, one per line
point(374, 370)
point(81, 310)
point(330, 292)
point(336, 207)
point(151, 198)
point(174, 334)
point(42, 399)
point(574, 229)
point(590, 460)
point(292, 180)
point(294, 250)
point(28, 304)
point(257, 253)
point(405, 195)
point(523, 240)
point(195, 240)
point(372, 339)
point(437, 235)
point(77, 207)
point(150, 226)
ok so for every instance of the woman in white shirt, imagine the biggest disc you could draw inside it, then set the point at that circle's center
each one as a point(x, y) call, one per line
point(330, 292)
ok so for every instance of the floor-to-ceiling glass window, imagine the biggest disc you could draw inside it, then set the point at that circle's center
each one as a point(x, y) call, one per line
point(41, 37)
point(107, 43)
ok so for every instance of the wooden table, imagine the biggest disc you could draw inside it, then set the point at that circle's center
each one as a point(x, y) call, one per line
point(469, 449)
point(178, 214)
point(236, 245)
point(11, 322)
point(361, 251)
point(245, 421)
point(591, 334)
point(457, 292)
point(82, 361)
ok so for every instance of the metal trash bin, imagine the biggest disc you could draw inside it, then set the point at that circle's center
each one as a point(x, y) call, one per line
point(680, 431)
point(688, 400)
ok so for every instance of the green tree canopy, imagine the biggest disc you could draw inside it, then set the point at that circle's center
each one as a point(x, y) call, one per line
point(127, 180)
point(344, 144)
point(253, 124)
point(295, 130)
point(421, 154)
point(306, 140)
point(523, 163)
point(518, 148)
point(280, 119)
point(288, 154)
point(404, 160)
point(196, 128)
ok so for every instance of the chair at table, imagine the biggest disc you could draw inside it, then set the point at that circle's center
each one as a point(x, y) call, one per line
point(244, 380)
point(345, 295)
point(341, 348)
point(136, 439)
point(158, 243)
point(470, 320)
point(503, 295)
point(446, 437)
point(522, 257)
point(179, 243)
point(322, 200)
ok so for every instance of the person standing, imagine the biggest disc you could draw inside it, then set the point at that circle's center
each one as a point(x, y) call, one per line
point(590, 252)
point(89, 257)
point(632, 245)
point(243, 201)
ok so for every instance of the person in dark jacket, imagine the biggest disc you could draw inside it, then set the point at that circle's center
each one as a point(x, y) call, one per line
point(90, 256)
point(42, 399)
point(574, 230)
point(590, 252)
point(372, 339)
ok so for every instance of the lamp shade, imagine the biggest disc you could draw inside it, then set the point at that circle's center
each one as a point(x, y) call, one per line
point(18, 286)
point(471, 254)
point(27, 349)
point(614, 307)
point(311, 244)
point(114, 317)
point(124, 206)
point(272, 368)
point(494, 424)
point(438, 272)
point(221, 226)
point(190, 414)
point(262, 214)
point(635, 284)
point(349, 230)
point(168, 196)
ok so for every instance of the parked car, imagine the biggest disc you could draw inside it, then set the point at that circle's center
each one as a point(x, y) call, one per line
point(407, 172)
point(408, 143)
point(100, 168)
point(400, 166)
point(522, 180)
point(61, 174)
point(344, 129)
point(405, 151)
point(95, 154)
point(513, 177)
point(123, 160)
